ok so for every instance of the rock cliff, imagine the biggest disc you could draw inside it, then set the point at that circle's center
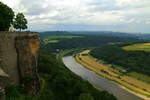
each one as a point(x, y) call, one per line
point(18, 60)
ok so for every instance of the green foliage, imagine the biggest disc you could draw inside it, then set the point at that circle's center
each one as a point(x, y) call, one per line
point(138, 47)
point(73, 41)
point(45, 94)
point(20, 21)
point(27, 78)
point(55, 38)
point(136, 61)
point(63, 36)
point(59, 83)
point(12, 91)
point(64, 84)
point(6, 17)
point(85, 96)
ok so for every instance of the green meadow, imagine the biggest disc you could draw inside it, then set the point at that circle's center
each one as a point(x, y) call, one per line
point(55, 38)
point(138, 47)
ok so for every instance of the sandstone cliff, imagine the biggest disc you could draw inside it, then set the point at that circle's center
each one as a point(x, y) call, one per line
point(18, 60)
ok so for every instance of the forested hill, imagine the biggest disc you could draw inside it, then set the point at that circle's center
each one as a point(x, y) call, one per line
point(137, 61)
point(109, 33)
point(59, 83)
point(66, 40)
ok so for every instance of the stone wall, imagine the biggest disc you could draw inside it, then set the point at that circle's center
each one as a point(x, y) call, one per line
point(18, 57)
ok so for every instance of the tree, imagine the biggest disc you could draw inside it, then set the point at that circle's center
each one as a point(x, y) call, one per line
point(20, 22)
point(85, 96)
point(6, 17)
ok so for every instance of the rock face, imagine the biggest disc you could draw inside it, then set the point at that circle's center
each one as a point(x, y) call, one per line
point(27, 48)
point(3, 82)
point(18, 59)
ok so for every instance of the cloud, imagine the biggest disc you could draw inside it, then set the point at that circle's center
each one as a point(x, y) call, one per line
point(101, 14)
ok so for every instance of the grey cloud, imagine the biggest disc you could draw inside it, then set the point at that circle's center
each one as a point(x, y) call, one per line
point(104, 5)
point(34, 7)
point(88, 13)
point(107, 8)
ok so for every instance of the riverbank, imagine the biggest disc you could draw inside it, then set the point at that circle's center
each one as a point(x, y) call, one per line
point(107, 72)
point(97, 80)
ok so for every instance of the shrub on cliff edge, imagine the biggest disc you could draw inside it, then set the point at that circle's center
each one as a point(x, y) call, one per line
point(6, 17)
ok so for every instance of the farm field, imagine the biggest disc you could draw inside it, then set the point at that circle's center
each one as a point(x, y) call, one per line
point(105, 70)
point(55, 39)
point(50, 41)
point(138, 47)
point(139, 76)
point(63, 36)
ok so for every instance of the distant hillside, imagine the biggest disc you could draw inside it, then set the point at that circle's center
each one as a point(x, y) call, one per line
point(110, 33)
point(136, 60)
point(70, 40)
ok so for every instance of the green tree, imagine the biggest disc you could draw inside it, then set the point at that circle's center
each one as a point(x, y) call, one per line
point(20, 21)
point(85, 96)
point(6, 17)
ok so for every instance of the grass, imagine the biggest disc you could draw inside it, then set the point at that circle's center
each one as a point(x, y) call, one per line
point(131, 82)
point(138, 47)
point(66, 52)
point(63, 37)
point(139, 76)
point(54, 39)
point(46, 41)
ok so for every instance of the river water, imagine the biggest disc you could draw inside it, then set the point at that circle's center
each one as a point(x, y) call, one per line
point(98, 81)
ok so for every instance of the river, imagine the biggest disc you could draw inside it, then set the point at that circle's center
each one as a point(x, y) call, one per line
point(98, 81)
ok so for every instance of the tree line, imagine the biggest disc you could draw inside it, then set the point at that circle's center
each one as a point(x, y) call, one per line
point(137, 61)
point(84, 41)
point(8, 18)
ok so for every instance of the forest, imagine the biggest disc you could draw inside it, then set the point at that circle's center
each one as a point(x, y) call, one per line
point(137, 61)
point(66, 85)
point(82, 40)
point(58, 83)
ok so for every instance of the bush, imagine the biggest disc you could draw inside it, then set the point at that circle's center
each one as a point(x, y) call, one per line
point(27, 79)
point(12, 91)
point(86, 96)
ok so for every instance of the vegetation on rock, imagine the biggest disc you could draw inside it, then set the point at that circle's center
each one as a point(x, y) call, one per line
point(58, 83)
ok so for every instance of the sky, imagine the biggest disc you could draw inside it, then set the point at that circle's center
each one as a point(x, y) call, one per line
point(85, 15)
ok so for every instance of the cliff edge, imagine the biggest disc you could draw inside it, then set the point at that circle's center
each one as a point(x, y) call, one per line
point(18, 60)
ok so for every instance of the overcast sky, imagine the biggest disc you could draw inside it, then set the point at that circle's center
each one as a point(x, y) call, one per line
point(89, 15)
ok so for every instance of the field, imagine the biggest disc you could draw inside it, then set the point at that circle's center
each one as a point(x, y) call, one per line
point(55, 38)
point(139, 76)
point(138, 47)
point(51, 41)
point(105, 70)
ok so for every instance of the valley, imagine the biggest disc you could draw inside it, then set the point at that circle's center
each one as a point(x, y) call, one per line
point(129, 81)
point(98, 81)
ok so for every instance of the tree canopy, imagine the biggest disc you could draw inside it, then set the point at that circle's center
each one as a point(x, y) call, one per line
point(137, 61)
point(20, 21)
point(6, 17)
point(85, 96)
